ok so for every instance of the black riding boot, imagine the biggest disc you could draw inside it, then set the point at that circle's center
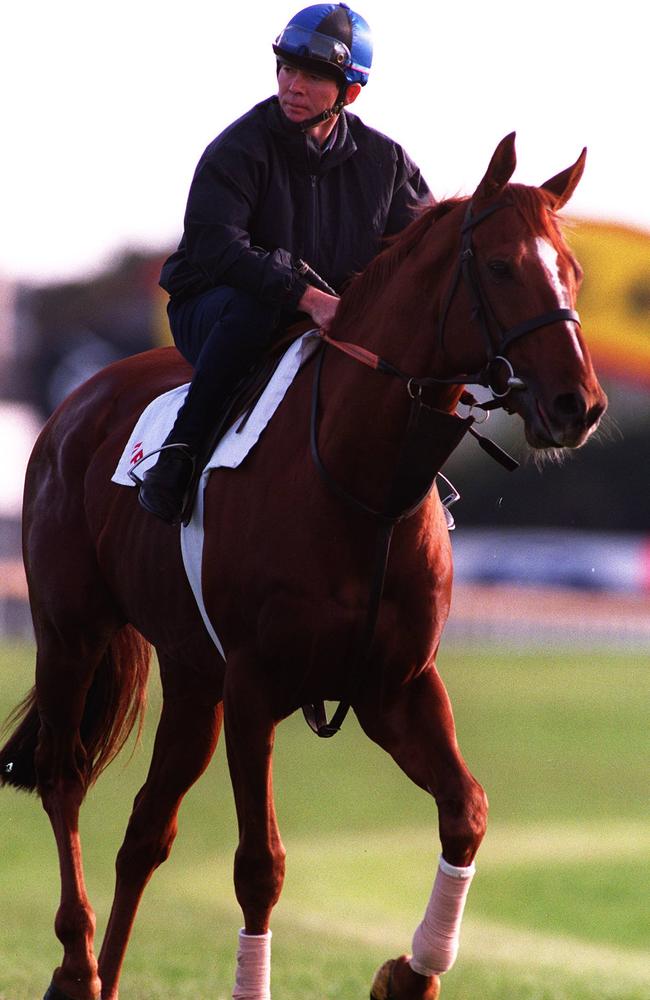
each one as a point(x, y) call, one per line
point(164, 489)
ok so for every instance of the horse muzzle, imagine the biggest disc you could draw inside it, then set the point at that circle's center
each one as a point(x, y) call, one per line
point(565, 421)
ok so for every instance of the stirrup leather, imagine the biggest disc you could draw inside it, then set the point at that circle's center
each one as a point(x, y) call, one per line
point(185, 448)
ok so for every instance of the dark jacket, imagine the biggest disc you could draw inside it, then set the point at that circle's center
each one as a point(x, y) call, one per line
point(264, 195)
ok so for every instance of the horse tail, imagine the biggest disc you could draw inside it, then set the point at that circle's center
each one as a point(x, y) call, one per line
point(17, 755)
point(116, 701)
point(115, 704)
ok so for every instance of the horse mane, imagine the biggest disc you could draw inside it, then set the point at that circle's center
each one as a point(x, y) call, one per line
point(363, 286)
point(534, 204)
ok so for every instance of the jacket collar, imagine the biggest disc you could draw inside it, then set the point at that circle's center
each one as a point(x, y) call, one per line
point(301, 148)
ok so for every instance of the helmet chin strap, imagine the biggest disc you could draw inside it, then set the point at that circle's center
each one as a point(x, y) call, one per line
point(325, 116)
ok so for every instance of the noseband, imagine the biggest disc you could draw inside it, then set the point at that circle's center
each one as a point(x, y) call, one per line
point(482, 311)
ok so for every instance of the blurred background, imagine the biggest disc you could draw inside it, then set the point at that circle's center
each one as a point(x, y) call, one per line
point(111, 106)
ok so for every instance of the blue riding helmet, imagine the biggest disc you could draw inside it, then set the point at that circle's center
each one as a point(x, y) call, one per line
point(330, 39)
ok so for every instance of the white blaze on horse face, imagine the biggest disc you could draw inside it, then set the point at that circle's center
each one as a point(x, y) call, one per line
point(548, 257)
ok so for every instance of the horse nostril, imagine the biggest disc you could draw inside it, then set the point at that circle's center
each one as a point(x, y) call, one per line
point(571, 405)
point(595, 413)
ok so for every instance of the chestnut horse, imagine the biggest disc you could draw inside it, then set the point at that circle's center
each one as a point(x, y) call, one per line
point(475, 290)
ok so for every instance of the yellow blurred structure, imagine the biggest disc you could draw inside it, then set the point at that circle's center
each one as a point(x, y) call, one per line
point(614, 301)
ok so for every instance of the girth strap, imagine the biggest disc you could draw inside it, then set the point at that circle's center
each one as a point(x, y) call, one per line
point(315, 714)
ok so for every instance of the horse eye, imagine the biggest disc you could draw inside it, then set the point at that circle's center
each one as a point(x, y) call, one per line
point(499, 268)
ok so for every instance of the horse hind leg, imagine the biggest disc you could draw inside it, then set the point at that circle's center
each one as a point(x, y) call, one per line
point(63, 675)
point(187, 735)
point(89, 689)
point(415, 725)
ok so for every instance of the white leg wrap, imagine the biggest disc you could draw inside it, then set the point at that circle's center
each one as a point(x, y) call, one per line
point(253, 979)
point(435, 942)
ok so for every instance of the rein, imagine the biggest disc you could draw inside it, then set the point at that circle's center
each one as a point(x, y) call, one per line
point(409, 490)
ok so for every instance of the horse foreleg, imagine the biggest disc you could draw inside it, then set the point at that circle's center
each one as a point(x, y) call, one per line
point(187, 735)
point(415, 725)
point(259, 859)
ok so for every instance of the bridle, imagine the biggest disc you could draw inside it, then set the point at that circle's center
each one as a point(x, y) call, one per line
point(481, 309)
point(496, 344)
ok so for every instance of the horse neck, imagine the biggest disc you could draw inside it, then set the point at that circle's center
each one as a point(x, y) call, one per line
point(394, 308)
point(365, 413)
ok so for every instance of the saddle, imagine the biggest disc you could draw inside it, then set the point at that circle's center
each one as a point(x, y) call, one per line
point(239, 405)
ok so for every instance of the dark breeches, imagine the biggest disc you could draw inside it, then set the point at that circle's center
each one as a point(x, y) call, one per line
point(221, 333)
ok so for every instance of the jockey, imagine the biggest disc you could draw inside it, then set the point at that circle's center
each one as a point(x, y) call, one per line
point(296, 178)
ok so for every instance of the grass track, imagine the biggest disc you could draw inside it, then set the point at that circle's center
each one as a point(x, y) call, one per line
point(558, 910)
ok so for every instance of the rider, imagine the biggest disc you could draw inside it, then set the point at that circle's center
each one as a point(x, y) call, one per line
point(297, 177)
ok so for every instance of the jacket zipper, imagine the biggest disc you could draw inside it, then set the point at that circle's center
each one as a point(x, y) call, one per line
point(315, 219)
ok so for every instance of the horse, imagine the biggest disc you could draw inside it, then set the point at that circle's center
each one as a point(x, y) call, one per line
point(308, 600)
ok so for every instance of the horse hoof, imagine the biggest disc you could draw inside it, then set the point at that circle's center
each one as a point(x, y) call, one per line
point(397, 975)
point(54, 993)
point(381, 984)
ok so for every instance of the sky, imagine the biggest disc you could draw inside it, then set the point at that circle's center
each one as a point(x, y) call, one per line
point(107, 107)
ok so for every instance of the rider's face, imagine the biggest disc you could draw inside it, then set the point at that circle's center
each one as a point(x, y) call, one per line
point(304, 95)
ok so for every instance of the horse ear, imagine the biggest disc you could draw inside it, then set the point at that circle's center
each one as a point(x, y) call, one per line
point(562, 186)
point(501, 168)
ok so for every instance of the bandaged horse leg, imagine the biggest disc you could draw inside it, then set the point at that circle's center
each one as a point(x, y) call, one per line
point(253, 976)
point(415, 725)
point(436, 939)
point(259, 860)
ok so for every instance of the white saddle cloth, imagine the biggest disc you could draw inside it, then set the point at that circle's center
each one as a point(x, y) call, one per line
point(155, 423)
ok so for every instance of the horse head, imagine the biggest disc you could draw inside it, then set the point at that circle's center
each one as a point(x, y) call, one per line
point(519, 281)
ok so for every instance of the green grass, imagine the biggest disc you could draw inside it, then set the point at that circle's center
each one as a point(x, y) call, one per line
point(558, 910)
